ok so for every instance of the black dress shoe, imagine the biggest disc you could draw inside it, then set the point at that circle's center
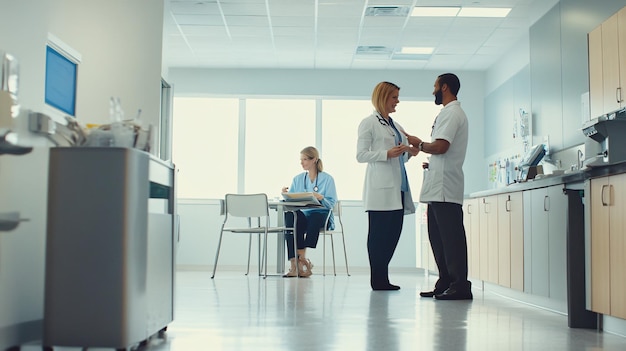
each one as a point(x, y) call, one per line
point(453, 294)
point(386, 287)
point(430, 293)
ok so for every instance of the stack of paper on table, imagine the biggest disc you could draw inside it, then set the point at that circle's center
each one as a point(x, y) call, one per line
point(306, 198)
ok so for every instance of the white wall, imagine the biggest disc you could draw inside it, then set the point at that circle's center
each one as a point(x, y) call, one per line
point(106, 34)
point(113, 63)
point(510, 63)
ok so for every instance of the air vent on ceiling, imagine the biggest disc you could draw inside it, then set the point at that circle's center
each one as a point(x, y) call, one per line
point(373, 49)
point(399, 11)
point(373, 52)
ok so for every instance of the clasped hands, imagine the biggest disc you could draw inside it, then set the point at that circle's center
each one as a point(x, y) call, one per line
point(413, 140)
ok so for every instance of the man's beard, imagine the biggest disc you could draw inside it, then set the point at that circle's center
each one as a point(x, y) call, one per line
point(438, 97)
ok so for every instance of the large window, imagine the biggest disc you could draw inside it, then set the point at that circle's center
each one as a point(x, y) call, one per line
point(340, 123)
point(205, 139)
point(276, 131)
point(225, 145)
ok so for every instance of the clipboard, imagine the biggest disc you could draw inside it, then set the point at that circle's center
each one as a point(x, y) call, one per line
point(306, 198)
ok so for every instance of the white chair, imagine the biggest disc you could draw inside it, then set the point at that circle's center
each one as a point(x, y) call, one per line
point(250, 206)
point(331, 233)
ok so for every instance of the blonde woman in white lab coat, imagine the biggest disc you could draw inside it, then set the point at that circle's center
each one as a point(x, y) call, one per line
point(383, 145)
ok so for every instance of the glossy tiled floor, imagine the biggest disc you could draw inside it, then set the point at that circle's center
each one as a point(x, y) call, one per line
point(235, 312)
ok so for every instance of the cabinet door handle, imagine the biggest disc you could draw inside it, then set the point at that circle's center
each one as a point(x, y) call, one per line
point(469, 208)
point(546, 203)
point(507, 205)
point(486, 207)
point(604, 202)
point(618, 95)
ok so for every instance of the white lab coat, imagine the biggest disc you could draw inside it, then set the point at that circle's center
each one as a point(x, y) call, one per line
point(382, 187)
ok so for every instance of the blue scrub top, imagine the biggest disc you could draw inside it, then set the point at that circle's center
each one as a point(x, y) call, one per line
point(325, 186)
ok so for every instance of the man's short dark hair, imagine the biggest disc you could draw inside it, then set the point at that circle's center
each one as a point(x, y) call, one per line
point(452, 81)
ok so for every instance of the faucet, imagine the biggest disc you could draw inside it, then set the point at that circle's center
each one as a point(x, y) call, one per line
point(579, 162)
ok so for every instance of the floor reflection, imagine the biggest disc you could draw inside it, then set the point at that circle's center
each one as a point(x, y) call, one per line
point(450, 325)
point(381, 331)
point(238, 312)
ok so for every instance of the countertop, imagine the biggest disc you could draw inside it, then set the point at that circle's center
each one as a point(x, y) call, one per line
point(549, 180)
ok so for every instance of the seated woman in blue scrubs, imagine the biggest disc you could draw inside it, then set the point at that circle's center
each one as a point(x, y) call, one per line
point(310, 221)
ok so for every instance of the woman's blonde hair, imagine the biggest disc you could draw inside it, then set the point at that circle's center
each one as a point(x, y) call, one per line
point(381, 93)
point(311, 152)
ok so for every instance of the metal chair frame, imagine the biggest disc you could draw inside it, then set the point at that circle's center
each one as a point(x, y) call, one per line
point(250, 206)
point(339, 229)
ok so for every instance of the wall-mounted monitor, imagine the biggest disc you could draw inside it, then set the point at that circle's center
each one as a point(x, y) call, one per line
point(61, 76)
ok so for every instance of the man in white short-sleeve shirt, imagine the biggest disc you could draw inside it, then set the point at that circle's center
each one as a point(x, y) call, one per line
point(442, 190)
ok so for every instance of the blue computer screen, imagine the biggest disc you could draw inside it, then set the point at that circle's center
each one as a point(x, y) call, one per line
point(60, 82)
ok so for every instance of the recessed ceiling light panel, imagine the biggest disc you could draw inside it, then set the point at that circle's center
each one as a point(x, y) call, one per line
point(415, 50)
point(448, 11)
point(484, 12)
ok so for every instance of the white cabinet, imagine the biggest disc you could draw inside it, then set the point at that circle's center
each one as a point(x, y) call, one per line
point(545, 260)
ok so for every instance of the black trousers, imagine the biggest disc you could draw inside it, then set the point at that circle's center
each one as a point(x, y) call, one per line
point(449, 244)
point(309, 224)
point(382, 239)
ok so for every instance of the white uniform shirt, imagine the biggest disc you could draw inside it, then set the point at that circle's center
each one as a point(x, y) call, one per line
point(443, 180)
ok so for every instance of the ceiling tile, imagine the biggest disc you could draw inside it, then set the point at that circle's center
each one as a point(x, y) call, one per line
point(207, 20)
point(294, 44)
point(243, 8)
point(504, 37)
point(293, 21)
point(304, 32)
point(447, 61)
point(417, 64)
point(206, 31)
point(250, 32)
point(246, 21)
point(194, 7)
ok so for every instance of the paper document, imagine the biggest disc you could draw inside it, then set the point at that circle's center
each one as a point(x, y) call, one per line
point(301, 197)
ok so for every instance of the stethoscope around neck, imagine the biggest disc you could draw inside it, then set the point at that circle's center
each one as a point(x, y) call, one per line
point(315, 188)
point(384, 122)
